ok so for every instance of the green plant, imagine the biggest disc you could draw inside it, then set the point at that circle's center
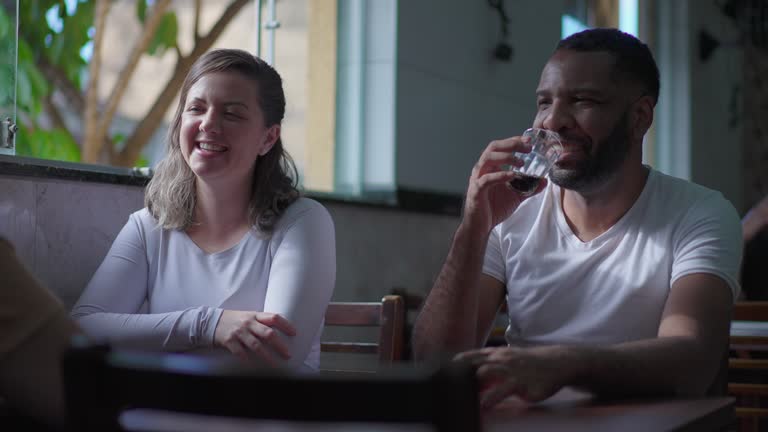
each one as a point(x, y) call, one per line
point(59, 65)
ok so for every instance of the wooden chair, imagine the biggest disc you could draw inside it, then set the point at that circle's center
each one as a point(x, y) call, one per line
point(388, 315)
point(102, 384)
point(748, 369)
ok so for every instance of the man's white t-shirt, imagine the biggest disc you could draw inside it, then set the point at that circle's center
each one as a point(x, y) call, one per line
point(613, 288)
point(156, 289)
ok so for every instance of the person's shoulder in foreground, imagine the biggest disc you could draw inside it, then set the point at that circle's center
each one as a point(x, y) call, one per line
point(35, 331)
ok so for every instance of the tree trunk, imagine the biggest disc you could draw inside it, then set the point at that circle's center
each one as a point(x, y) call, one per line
point(148, 32)
point(92, 142)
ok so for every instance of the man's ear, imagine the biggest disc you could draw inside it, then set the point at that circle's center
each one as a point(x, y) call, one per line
point(642, 116)
point(270, 138)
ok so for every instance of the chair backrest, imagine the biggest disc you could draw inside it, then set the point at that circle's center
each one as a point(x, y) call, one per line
point(388, 315)
point(101, 384)
point(748, 365)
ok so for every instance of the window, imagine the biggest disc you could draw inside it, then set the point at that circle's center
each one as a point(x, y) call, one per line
point(622, 14)
point(582, 14)
point(300, 37)
point(8, 48)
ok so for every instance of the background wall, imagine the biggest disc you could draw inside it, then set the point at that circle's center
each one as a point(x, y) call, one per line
point(453, 98)
point(63, 229)
point(716, 99)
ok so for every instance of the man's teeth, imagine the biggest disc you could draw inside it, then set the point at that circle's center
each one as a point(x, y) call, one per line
point(212, 147)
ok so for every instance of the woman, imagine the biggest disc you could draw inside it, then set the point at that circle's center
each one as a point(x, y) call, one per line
point(225, 254)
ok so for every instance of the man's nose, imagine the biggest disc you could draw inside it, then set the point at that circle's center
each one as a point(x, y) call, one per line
point(558, 117)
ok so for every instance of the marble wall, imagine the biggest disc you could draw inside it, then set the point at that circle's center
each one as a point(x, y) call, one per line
point(380, 249)
point(62, 230)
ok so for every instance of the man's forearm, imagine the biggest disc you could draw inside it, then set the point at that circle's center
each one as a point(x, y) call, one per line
point(678, 366)
point(448, 321)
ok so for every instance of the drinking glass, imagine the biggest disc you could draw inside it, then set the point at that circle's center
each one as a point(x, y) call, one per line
point(546, 147)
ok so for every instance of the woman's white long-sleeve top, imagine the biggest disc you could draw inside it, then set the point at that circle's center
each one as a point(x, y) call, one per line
point(156, 289)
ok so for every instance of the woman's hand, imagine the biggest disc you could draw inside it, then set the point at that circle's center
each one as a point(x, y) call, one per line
point(245, 333)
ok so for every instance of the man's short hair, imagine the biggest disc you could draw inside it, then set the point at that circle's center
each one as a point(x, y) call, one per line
point(633, 58)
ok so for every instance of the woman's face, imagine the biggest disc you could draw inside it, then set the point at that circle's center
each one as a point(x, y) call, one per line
point(222, 128)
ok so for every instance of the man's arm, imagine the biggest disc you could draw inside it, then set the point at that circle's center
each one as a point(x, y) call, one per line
point(459, 310)
point(458, 313)
point(682, 360)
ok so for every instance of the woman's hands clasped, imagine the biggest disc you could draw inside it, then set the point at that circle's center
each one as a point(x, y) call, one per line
point(246, 334)
point(490, 199)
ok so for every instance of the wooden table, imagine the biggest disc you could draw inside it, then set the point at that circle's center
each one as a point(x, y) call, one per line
point(574, 411)
point(568, 410)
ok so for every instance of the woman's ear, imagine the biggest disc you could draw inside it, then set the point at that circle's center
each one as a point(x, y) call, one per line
point(270, 138)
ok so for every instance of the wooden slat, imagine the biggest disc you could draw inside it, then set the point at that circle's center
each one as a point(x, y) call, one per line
point(353, 314)
point(751, 412)
point(350, 347)
point(743, 389)
point(749, 343)
point(391, 332)
point(750, 311)
point(734, 363)
point(388, 315)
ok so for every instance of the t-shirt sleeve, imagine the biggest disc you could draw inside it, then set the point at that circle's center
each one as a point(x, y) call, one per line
point(109, 308)
point(25, 305)
point(493, 264)
point(302, 278)
point(709, 241)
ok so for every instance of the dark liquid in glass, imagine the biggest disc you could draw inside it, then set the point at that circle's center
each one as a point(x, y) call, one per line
point(525, 184)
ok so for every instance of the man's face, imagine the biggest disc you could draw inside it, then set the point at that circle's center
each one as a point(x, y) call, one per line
point(580, 97)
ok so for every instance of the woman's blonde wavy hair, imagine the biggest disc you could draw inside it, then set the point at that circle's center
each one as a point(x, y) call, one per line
point(170, 195)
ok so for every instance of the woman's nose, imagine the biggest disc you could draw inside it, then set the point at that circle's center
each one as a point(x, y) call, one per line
point(210, 123)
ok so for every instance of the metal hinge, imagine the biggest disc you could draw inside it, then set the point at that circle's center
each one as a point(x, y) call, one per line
point(8, 131)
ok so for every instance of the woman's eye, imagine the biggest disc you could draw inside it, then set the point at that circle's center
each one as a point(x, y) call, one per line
point(194, 108)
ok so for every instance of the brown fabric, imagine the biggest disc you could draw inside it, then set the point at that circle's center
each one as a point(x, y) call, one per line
point(24, 304)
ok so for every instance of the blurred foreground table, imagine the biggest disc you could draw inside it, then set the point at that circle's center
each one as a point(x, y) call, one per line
point(568, 410)
point(574, 411)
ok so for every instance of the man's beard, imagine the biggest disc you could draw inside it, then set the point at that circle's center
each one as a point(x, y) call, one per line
point(596, 169)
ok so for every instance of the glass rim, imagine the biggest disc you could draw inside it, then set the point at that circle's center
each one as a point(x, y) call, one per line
point(551, 137)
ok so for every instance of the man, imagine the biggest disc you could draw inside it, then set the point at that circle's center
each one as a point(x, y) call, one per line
point(35, 331)
point(618, 279)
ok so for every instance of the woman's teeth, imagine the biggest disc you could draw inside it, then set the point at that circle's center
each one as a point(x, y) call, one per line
point(212, 147)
